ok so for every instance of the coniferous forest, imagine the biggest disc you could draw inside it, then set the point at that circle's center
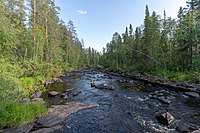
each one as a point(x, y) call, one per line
point(162, 46)
point(36, 45)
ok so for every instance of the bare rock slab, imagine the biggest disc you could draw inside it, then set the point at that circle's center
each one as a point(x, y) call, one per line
point(22, 129)
point(49, 130)
point(61, 112)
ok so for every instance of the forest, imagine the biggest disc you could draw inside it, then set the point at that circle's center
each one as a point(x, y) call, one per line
point(36, 45)
point(162, 46)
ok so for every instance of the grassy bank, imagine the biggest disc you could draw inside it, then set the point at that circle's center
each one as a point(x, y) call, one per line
point(190, 76)
point(13, 113)
point(177, 76)
point(18, 81)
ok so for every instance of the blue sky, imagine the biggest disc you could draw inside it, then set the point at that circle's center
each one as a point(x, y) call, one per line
point(97, 20)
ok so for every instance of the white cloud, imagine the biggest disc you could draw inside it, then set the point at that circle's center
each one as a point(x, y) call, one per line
point(82, 12)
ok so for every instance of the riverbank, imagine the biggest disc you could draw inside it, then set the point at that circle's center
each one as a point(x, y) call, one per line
point(179, 85)
point(19, 81)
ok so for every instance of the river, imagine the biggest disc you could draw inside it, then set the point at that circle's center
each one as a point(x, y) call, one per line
point(126, 109)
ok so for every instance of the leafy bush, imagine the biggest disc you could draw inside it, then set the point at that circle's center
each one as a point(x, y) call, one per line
point(10, 70)
point(46, 70)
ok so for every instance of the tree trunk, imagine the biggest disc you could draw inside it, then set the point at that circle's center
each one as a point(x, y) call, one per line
point(190, 56)
point(46, 32)
point(34, 26)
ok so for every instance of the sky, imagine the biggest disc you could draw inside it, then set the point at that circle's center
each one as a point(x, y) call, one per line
point(97, 20)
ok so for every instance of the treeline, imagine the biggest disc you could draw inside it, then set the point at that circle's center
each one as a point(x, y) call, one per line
point(160, 43)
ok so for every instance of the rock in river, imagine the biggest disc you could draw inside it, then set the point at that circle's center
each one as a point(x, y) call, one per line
point(162, 96)
point(53, 93)
point(164, 117)
point(76, 93)
point(102, 86)
point(192, 94)
point(64, 96)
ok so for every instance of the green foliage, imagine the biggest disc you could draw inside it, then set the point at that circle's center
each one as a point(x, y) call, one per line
point(177, 76)
point(9, 90)
point(34, 69)
point(160, 46)
point(15, 114)
point(9, 69)
point(29, 84)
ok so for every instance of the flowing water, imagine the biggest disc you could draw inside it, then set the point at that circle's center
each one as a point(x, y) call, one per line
point(126, 109)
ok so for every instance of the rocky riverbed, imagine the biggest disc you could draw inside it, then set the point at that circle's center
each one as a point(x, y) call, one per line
point(92, 100)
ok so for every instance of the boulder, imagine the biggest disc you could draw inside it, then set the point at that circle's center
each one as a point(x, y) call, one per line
point(192, 94)
point(164, 117)
point(53, 93)
point(108, 87)
point(52, 81)
point(102, 86)
point(41, 100)
point(93, 84)
point(25, 100)
point(36, 94)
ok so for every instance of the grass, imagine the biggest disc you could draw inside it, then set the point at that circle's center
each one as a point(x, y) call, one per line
point(190, 76)
point(15, 114)
point(177, 76)
point(12, 112)
point(29, 84)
